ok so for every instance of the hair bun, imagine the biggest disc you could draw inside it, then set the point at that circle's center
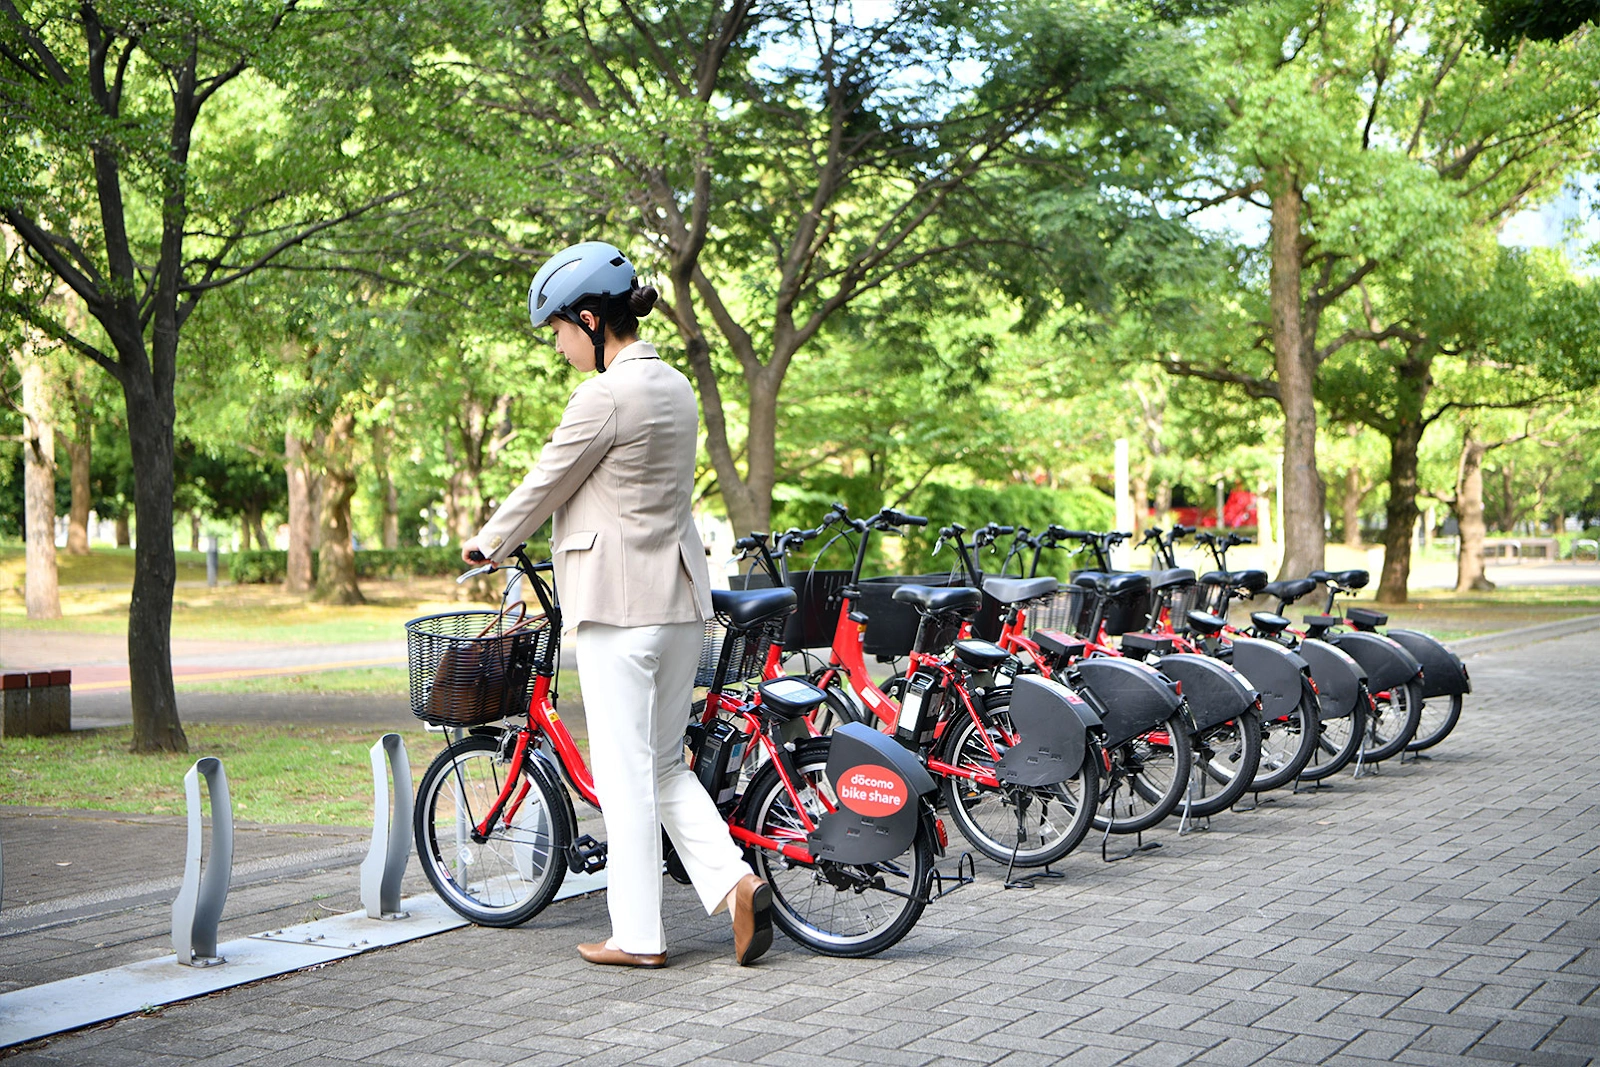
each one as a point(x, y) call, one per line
point(642, 299)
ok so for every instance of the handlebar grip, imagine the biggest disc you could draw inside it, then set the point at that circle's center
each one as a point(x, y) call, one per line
point(900, 518)
point(1079, 535)
point(1182, 531)
point(1001, 531)
point(474, 556)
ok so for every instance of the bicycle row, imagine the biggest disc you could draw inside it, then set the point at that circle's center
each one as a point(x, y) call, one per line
point(1023, 710)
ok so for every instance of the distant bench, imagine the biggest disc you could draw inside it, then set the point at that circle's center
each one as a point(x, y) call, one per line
point(35, 703)
point(1521, 548)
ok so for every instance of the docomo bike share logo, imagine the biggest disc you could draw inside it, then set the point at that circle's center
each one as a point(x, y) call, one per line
point(873, 791)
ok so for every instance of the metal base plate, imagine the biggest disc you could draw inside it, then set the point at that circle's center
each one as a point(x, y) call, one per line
point(73, 1003)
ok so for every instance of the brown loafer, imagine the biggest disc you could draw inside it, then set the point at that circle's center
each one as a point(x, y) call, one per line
point(752, 919)
point(599, 952)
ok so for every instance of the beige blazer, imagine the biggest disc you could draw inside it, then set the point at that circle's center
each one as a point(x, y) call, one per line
point(618, 476)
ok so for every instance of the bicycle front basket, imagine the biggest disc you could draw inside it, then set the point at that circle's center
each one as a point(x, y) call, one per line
point(468, 668)
point(747, 651)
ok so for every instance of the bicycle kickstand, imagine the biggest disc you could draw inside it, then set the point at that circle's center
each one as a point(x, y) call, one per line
point(1105, 838)
point(1019, 804)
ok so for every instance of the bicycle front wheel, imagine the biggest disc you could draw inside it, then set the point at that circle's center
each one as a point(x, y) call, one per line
point(1028, 827)
point(1393, 722)
point(1225, 761)
point(835, 909)
point(1148, 777)
point(1287, 742)
point(513, 872)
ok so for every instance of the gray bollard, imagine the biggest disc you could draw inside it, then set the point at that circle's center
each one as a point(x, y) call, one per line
point(386, 860)
point(198, 907)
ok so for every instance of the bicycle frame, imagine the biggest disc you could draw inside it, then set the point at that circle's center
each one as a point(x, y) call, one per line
point(543, 721)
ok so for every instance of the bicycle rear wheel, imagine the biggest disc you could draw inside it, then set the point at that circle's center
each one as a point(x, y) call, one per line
point(1436, 723)
point(835, 909)
point(514, 872)
point(1338, 740)
point(1287, 742)
point(1225, 761)
point(1054, 818)
point(1393, 722)
point(1148, 777)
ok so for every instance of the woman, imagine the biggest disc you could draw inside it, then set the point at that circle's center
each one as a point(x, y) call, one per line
point(617, 476)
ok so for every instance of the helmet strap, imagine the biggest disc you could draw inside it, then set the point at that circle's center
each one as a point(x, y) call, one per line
point(598, 334)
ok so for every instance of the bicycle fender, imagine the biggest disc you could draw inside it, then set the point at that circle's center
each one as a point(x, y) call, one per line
point(1130, 697)
point(1215, 691)
point(1338, 677)
point(543, 766)
point(880, 786)
point(1273, 671)
point(1443, 673)
point(1386, 662)
point(1051, 740)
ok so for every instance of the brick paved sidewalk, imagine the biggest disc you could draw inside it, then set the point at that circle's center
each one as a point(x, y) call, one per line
point(1442, 912)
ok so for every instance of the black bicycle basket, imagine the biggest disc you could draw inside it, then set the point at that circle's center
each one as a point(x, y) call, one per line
point(746, 651)
point(816, 615)
point(1067, 611)
point(468, 668)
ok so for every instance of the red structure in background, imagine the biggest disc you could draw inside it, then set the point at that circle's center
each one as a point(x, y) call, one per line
point(1238, 510)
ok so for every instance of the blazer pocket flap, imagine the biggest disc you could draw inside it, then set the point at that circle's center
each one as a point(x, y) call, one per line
point(577, 542)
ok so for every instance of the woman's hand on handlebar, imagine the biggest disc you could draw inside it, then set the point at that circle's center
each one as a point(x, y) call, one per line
point(472, 552)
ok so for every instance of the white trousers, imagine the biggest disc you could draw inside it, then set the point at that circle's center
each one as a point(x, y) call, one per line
point(637, 683)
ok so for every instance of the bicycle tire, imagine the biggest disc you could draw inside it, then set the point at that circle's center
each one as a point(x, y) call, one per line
point(848, 922)
point(1338, 741)
point(1433, 728)
point(1392, 723)
point(1225, 757)
point(1151, 773)
point(1287, 742)
point(514, 874)
point(987, 817)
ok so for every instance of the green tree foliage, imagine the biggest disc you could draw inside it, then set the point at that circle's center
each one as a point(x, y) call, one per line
point(1373, 136)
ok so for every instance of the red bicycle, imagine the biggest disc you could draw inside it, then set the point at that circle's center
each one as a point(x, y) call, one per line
point(851, 868)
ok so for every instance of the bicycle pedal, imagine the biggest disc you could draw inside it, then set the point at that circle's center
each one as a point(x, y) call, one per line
point(586, 855)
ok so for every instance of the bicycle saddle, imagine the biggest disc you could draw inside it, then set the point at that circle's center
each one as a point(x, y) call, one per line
point(1016, 590)
point(748, 607)
point(980, 655)
point(1253, 580)
point(933, 601)
point(1169, 578)
point(1289, 591)
point(1216, 578)
point(1268, 623)
point(1356, 579)
point(1126, 585)
point(1203, 622)
point(1089, 579)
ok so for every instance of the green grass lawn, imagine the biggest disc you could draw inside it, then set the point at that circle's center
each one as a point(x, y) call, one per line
point(276, 774)
point(1450, 617)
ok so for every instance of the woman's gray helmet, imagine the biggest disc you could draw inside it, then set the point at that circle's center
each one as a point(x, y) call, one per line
point(592, 268)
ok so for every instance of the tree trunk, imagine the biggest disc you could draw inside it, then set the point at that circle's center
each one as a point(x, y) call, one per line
point(1304, 495)
point(1470, 576)
point(155, 704)
point(302, 516)
point(391, 514)
point(244, 533)
point(1140, 487)
point(255, 527)
point(78, 518)
point(336, 559)
point(194, 529)
point(1353, 495)
point(41, 593)
point(1401, 513)
point(124, 534)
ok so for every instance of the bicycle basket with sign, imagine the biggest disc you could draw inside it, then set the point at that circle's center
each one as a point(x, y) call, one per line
point(468, 668)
